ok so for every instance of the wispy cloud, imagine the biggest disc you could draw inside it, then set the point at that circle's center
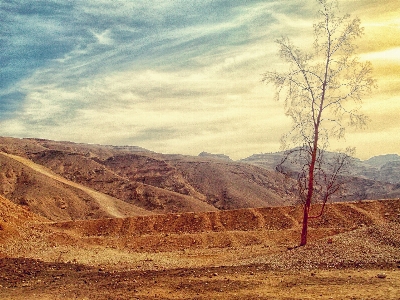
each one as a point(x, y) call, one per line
point(172, 76)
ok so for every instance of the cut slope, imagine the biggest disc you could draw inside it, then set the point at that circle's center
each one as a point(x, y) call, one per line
point(337, 218)
point(244, 236)
point(377, 245)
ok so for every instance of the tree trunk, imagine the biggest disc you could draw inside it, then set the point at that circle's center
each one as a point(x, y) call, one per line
point(305, 225)
point(307, 205)
point(314, 149)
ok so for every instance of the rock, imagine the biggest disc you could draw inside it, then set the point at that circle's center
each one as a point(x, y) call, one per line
point(381, 275)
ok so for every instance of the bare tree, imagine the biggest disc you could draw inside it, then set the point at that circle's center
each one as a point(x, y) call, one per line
point(322, 90)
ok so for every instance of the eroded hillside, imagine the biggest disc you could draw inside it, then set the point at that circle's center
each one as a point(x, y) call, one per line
point(153, 182)
point(131, 180)
point(39, 189)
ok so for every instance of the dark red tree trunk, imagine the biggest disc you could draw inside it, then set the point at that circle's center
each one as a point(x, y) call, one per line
point(305, 226)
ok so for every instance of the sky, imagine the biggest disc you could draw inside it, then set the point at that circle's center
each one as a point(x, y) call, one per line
point(177, 76)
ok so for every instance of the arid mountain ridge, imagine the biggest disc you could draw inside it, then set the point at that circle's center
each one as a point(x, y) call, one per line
point(383, 168)
point(65, 180)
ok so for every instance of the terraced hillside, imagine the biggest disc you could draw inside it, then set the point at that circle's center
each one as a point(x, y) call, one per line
point(272, 227)
point(235, 254)
point(231, 227)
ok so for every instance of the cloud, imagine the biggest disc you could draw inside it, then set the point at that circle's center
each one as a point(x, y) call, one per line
point(166, 110)
point(383, 142)
point(103, 38)
point(391, 55)
point(31, 36)
point(171, 76)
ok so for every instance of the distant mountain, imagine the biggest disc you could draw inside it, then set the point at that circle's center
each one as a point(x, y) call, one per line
point(217, 156)
point(64, 180)
point(381, 160)
point(265, 160)
point(383, 168)
point(390, 172)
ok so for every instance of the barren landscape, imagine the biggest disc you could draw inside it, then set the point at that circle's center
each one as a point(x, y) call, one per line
point(199, 150)
point(68, 234)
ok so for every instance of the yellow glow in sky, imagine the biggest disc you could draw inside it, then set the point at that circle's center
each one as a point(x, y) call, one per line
point(180, 76)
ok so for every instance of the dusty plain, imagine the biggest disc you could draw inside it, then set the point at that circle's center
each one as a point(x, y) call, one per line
point(353, 253)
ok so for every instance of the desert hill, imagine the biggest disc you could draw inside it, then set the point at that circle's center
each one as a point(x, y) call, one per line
point(13, 216)
point(232, 185)
point(65, 180)
point(146, 181)
point(54, 197)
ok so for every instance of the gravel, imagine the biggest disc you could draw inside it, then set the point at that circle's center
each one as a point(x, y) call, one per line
point(378, 245)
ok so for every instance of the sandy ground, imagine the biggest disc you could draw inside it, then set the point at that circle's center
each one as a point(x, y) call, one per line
point(30, 279)
point(332, 268)
point(353, 253)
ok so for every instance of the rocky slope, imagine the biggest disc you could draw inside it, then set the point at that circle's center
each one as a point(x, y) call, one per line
point(64, 180)
point(145, 180)
point(384, 168)
point(375, 178)
point(38, 189)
